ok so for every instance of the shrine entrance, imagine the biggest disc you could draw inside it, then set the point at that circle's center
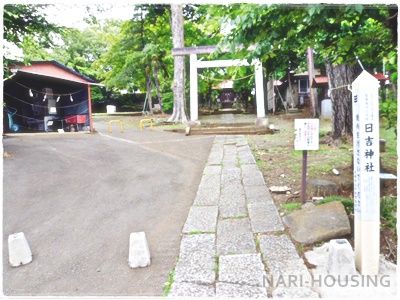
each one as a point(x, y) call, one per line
point(196, 64)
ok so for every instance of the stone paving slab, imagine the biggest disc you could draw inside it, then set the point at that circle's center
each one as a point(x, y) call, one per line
point(283, 261)
point(294, 292)
point(231, 174)
point(209, 190)
point(243, 147)
point(279, 247)
point(256, 194)
point(231, 290)
point(232, 205)
point(186, 289)
point(232, 202)
point(246, 159)
point(264, 217)
point(231, 187)
point(201, 219)
point(234, 236)
point(210, 181)
point(196, 263)
point(216, 154)
point(293, 271)
point(245, 269)
point(212, 170)
point(253, 178)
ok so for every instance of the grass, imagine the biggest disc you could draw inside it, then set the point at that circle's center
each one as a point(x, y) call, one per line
point(299, 248)
point(193, 232)
point(389, 158)
point(216, 267)
point(347, 202)
point(290, 207)
point(388, 211)
point(235, 217)
point(323, 160)
point(168, 284)
point(258, 243)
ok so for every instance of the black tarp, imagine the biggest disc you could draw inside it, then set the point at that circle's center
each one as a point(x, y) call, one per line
point(24, 94)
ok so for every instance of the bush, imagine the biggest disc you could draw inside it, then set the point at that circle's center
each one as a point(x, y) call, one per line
point(388, 211)
point(388, 111)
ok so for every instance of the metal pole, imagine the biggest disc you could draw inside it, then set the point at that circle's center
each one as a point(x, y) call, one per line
point(304, 177)
point(90, 108)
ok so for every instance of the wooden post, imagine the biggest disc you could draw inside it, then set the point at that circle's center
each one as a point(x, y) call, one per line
point(194, 100)
point(310, 65)
point(366, 173)
point(307, 138)
point(90, 108)
point(304, 178)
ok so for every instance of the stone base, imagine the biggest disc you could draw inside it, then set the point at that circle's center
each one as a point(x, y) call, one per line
point(261, 122)
point(194, 123)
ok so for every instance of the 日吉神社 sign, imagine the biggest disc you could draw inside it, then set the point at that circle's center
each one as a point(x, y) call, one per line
point(366, 173)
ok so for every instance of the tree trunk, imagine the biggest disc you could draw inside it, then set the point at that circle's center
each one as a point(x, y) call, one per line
point(157, 84)
point(178, 86)
point(148, 96)
point(313, 91)
point(340, 76)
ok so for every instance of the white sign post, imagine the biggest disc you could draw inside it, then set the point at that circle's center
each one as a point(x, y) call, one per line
point(366, 173)
point(307, 138)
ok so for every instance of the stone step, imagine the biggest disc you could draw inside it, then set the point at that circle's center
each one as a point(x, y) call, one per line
point(229, 130)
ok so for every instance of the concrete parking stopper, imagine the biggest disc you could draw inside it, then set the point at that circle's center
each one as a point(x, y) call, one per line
point(139, 253)
point(18, 250)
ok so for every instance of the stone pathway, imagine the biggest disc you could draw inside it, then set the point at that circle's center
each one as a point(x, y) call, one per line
point(233, 242)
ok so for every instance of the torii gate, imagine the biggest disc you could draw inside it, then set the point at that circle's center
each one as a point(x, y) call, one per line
point(196, 64)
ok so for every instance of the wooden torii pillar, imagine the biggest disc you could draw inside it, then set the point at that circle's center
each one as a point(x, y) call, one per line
point(196, 64)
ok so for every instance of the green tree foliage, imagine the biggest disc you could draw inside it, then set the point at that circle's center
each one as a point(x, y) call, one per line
point(23, 22)
point(280, 34)
point(142, 44)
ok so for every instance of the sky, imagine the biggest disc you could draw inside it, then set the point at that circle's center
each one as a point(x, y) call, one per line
point(73, 15)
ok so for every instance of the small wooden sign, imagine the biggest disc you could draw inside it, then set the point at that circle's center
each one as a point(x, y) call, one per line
point(307, 134)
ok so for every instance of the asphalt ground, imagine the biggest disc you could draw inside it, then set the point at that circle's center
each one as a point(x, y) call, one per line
point(78, 197)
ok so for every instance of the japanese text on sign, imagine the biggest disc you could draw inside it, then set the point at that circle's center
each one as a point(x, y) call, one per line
point(366, 147)
point(307, 134)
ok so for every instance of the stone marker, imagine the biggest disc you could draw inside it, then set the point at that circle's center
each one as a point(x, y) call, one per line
point(18, 250)
point(317, 224)
point(341, 258)
point(321, 187)
point(139, 253)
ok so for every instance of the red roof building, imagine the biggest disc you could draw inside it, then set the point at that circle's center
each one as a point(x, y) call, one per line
point(48, 96)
